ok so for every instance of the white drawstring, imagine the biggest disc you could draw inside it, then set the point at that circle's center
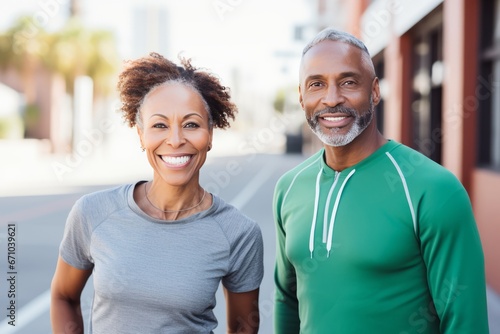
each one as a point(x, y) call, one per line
point(334, 213)
point(337, 202)
point(325, 218)
point(327, 233)
point(315, 214)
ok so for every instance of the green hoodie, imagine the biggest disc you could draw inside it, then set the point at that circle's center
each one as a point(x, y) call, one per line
point(388, 246)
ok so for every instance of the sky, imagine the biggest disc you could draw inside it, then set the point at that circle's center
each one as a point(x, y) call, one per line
point(217, 34)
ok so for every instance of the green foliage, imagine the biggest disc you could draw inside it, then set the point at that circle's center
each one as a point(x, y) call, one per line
point(31, 115)
point(279, 101)
point(11, 127)
point(72, 51)
point(285, 98)
point(22, 43)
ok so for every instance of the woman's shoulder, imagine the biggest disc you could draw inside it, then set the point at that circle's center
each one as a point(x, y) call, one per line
point(104, 201)
point(115, 192)
point(231, 218)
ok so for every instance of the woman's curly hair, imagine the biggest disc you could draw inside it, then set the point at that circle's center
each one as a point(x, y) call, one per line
point(140, 76)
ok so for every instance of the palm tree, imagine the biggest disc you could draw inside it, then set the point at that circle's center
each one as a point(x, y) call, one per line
point(21, 49)
point(74, 8)
point(76, 50)
point(71, 52)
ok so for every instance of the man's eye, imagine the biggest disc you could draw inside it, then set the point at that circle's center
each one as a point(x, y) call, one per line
point(349, 83)
point(315, 84)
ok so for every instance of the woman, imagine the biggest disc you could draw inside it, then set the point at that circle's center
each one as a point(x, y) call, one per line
point(159, 249)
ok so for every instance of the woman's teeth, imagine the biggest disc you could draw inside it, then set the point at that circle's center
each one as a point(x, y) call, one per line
point(175, 160)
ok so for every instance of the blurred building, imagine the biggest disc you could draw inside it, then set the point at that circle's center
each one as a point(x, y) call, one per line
point(49, 99)
point(439, 67)
point(150, 29)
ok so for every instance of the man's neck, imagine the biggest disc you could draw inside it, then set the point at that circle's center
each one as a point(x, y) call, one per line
point(342, 157)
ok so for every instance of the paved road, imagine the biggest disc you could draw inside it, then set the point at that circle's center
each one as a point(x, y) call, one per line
point(246, 181)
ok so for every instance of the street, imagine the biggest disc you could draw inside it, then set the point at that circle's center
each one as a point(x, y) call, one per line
point(245, 181)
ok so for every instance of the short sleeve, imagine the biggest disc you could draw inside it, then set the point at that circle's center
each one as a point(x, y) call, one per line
point(75, 245)
point(246, 268)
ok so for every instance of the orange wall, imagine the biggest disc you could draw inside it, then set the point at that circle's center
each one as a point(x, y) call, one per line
point(460, 29)
point(486, 204)
point(397, 113)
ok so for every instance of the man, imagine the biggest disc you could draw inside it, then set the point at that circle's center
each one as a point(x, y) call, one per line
point(372, 236)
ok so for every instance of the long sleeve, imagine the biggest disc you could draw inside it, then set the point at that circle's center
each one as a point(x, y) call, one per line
point(452, 252)
point(286, 316)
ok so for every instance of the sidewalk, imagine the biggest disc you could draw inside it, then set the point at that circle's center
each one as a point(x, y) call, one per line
point(493, 311)
point(27, 167)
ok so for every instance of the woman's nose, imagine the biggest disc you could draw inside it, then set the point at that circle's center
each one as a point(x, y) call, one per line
point(175, 137)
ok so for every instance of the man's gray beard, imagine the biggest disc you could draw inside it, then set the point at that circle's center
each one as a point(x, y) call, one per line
point(333, 138)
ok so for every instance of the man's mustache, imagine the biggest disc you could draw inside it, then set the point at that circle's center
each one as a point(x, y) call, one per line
point(336, 110)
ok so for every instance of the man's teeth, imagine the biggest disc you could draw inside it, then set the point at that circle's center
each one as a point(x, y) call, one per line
point(334, 119)
point(175, 160)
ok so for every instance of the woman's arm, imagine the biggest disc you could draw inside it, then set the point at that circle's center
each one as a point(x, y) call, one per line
point(242, 312)
point(66, 289)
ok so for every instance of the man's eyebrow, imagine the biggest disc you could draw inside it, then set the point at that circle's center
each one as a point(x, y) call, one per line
point(348, 74)
point(314, 77)
point(340, 75)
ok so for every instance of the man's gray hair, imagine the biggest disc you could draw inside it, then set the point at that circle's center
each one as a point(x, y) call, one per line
point(331, 34)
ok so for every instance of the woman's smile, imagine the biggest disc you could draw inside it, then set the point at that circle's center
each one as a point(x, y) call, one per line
point(176, 161)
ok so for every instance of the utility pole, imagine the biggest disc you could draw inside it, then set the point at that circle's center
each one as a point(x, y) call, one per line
point(75, 8)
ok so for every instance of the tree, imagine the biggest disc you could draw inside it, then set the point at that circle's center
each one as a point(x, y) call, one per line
point(76, 50)
point(72, 51)
point(22, 47)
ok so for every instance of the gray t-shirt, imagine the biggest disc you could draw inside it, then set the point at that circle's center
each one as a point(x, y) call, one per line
point(156, 276)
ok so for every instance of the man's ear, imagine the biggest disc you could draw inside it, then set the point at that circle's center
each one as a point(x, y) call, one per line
point(375, 91)
point(301, 101)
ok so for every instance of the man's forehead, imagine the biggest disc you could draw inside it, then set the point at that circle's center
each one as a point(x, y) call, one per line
point(333, 54)
point(332, 49)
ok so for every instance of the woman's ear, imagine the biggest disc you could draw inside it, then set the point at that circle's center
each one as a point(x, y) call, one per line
point(210, 139)
point(139, 132)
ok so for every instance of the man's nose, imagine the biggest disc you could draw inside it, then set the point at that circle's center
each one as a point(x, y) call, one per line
point(333, 96)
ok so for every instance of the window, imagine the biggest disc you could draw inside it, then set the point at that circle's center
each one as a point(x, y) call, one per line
point(378, 62)
point(488, 89)
point(427, 76)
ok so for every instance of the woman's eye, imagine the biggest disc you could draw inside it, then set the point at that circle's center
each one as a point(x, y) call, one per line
point(191, 125)
point(159, 125)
